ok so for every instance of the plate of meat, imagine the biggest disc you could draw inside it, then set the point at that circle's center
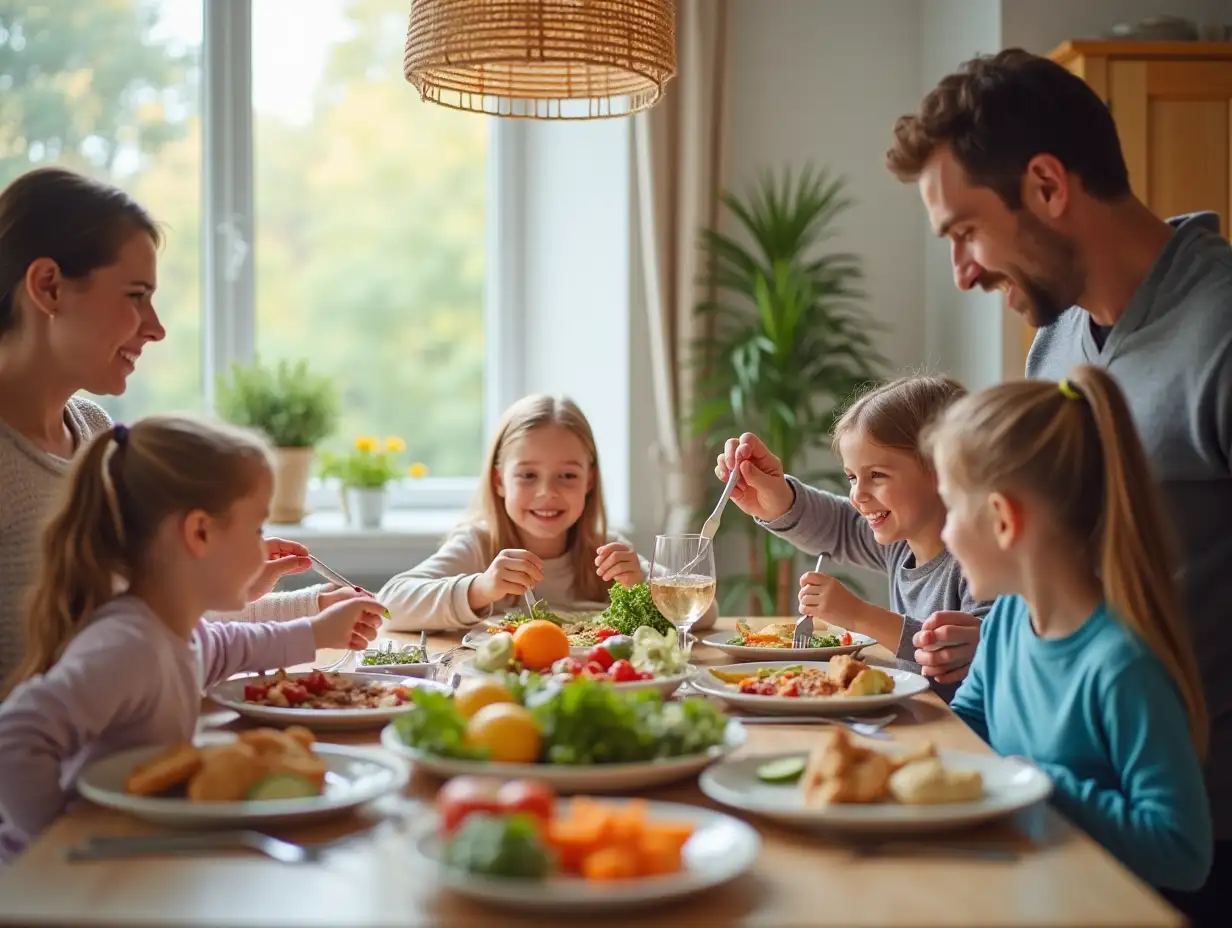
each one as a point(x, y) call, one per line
point(319, 700)
point(839, 686)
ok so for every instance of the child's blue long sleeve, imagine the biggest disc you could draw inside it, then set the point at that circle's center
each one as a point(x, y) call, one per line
point(1097, 711)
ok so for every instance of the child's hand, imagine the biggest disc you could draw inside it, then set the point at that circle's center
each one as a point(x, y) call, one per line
point(512, 573)
point(332, 593)
point(823, 597)
point(618, 561)
point(761, 490)
point(351, 623)
point(946, 645)
point(282, 557)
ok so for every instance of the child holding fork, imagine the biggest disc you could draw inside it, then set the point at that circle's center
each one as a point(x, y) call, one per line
point(890, 521)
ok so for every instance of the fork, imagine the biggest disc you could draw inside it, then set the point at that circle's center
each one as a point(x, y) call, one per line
point(710, 527)
point(531, 602)
point(111, 848)
point(802, 637)
point(870, 725)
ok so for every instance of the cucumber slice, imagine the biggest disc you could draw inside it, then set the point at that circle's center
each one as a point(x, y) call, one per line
point(782, 770)
point(282, 786)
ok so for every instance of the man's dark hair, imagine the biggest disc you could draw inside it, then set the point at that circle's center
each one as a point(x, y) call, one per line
point(997, 112)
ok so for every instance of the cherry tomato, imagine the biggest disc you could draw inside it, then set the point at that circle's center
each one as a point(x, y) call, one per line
point(255, 691)
point(623, 672)
point(315, 682)
point(601, 656)
point(463, 796)
point(605, 633)
point(528, 796)
point(293, 691)
point(790, 689)
point(595, 669)
point(846, 639)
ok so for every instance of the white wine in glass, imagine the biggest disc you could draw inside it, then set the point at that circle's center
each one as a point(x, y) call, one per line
point(682, 581)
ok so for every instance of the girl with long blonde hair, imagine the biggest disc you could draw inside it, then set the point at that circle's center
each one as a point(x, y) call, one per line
point(160, 523)
point(538, 523)
point(1085, 666)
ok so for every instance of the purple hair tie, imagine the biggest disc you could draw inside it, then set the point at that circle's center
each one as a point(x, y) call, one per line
point(120, 433)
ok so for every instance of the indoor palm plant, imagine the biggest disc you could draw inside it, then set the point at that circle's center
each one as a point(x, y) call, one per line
point(296, 408)
point(785, 345)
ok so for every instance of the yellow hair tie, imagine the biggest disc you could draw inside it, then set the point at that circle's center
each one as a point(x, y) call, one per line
point(1068, 391)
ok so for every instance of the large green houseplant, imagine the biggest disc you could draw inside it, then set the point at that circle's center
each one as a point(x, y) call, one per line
point(785, 345)
point(296, 408)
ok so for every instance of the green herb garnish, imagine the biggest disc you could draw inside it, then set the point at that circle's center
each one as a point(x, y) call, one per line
point(632, 608)
point(410, 656)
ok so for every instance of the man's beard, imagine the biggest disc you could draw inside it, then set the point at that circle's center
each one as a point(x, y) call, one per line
point(1051, 293)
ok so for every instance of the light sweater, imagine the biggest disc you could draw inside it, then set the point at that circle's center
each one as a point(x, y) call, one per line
point(433, 595)
point(30, 483)
point(1099, 714)
point(125, 681)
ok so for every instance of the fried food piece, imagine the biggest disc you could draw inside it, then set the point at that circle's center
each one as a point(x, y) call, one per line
point(870, 682)
point(779, 630)
point(840, 771)
point(309, 767)
point(174, 766)
point(272, 741)
point(844, 668)
point(925, 751)
point(226, 774)
point(927, 782)
point(301, 734)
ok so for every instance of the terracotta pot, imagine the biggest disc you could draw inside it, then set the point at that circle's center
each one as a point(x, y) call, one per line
point(292, 468)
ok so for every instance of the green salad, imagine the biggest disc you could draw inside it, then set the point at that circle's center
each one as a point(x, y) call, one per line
point(631, 609)
point(581, 722)
point(816, 641)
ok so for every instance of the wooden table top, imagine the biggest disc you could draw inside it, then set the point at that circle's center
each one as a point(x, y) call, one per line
point(1062, 877)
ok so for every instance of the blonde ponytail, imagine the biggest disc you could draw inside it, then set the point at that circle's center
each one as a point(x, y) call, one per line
point(1074, 445)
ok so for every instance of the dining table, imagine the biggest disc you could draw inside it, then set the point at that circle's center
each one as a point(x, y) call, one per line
point(1033, 869)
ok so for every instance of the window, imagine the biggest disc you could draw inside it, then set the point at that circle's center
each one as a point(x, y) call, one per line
point(113, 90)
point(314, 207)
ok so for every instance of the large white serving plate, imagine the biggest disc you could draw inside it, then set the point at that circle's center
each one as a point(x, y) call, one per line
point(230, 693)
point(740, 652)
point(906, 685)
point(356, 775)
point(570, 778)
point(720, 849)
point(1009, 786)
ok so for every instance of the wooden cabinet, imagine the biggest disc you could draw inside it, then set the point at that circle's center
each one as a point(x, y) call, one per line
point(1172, 102)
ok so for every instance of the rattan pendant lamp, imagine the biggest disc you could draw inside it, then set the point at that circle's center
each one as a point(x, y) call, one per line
point(542, 59)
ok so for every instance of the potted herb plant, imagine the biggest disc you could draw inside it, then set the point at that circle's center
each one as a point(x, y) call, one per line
point(363, 473)
point(785, 345)
point(296, 408)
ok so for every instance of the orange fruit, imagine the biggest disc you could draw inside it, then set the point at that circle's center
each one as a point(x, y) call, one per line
point(474, 693)
point(540, 644)
point(508, 731)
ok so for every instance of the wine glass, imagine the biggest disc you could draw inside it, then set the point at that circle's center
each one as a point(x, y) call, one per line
point(682, 580)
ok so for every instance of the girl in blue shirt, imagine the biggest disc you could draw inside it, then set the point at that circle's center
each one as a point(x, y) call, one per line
point(1085, 664)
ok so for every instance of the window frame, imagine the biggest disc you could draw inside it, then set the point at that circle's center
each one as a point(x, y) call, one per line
point(228, 304)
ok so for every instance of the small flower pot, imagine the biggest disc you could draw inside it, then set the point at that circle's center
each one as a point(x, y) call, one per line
point(365, 506)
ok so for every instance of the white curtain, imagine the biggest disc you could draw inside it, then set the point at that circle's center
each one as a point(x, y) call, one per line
point(679, 148)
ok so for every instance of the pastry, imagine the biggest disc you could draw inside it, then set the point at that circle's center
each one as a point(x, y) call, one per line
point(174, 766)
point(927, 782)
point(226, 775)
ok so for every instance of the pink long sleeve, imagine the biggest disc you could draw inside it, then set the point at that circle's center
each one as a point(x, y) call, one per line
point(228, 648)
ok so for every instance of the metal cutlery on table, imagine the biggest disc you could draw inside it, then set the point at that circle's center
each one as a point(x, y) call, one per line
point(868, 726)
point(112, 848)
point(711, 526)
point(802, 637)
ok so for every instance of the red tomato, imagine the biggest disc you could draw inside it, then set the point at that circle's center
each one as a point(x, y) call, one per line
point(790, 690)
point(293, 691)
point(463, 796)
point(255, 691)
point(569, 665)
point(528, 796)
point(315, 682)
point(601, 656)
point(595, 669)
point(623, 672)
point(846, 639)
point(605, 633)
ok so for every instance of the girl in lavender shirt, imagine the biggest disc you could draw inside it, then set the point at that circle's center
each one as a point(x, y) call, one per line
point(169, 511)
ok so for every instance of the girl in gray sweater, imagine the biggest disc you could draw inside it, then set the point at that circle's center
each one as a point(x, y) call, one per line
point(890, 521)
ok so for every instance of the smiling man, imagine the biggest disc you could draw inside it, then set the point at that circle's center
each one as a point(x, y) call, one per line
point(1020, 168)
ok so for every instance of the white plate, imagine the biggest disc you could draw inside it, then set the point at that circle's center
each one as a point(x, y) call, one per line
point(230, 693)
point(567, 778)
point(756, 653)
point(906, 685)
point(356, 775)
point(720, 849)
point(1009, 786)
point(477, 636)
point(665, 686)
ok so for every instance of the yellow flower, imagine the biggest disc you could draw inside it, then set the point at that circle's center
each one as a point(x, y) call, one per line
point(418, 470)
point(364, 443)
point(395, 445)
